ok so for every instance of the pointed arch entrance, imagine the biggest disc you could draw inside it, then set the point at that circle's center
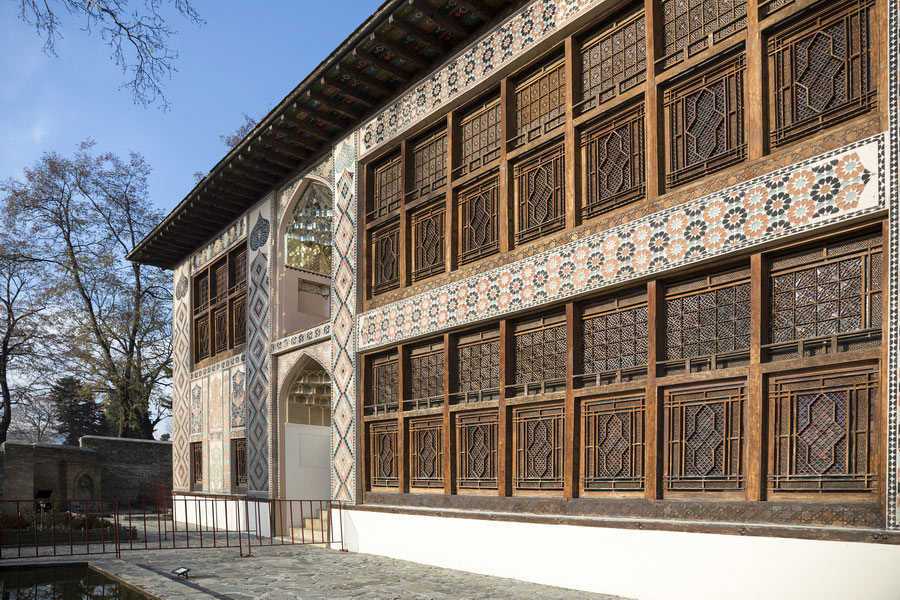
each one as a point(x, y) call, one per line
point(305, 409)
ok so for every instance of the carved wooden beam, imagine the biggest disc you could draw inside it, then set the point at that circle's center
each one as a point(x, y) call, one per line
point(301, 125)
point(332, 104)
point(440, 18)
point(372, 82)
point(357, 95)
point(420, 36)
point(410, 56)
point(478, 9)
point(382, 66)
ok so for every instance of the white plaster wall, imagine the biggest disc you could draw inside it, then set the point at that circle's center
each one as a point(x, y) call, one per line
point(307, 462)
point(641, 564)
point(211, 513)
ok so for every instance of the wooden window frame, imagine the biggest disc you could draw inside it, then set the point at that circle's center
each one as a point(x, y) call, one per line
point(426, 356)
point(220, 313)
point(467, 479)
point(599, 416)
point(239, 464)
point(196, 466)
point(433, 217)
point(489, 190)
point(550, 160)
point(378, 479)
point(419, 448)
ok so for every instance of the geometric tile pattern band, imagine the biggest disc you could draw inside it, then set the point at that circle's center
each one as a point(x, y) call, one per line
point(343, 316)
point(840, 185)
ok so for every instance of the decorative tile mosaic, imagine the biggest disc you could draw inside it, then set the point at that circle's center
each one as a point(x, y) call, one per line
point(893, 390)
point(257, 405)
point(519, 33)
point(343, 316)
point(324, 171)
point(197, 410)
point(216, 400)
point(237, 359)
point(223, 242)
point(847, 183)
point(238, 410)
point(321, 353)
point(216, 467)
point(180, 382)
point(302, 338)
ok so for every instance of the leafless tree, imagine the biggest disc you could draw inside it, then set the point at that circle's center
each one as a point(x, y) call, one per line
point(24, 302)
point(35, 420)
point(81, 216)
point(137, 34)
point(234, 138)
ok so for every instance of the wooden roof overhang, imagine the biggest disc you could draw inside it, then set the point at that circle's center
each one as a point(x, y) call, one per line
point(395, 47)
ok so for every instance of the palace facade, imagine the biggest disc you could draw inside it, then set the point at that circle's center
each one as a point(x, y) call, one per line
point(592, 293)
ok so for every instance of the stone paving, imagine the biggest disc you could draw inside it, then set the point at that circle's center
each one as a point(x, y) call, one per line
point(307, 572)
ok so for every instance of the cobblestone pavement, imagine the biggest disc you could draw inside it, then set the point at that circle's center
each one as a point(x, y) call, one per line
point(308, 572)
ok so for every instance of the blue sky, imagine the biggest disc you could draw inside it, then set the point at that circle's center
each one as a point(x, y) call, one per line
point(246, 58)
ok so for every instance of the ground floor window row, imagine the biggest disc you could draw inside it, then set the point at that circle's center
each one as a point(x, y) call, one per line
point(819, 435)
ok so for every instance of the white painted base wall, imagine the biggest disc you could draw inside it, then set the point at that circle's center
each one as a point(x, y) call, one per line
point(223, 515)
point(641, 564)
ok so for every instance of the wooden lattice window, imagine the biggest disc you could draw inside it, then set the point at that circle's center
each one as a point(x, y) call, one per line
point(197, 464)
point(429, 158)
point(704, 431)
point(540, 194)
point(708, 322)
point(614, 346)
point(220, 329)
point(239, 320)
point(238, 266)
point(829, 296)
point(540, 355)
point(613, 61)
point(705, 121)
point(613, 444)
point(201, 292)
point(220, 315)
point(201, 337)
point(478, 365)
point(239, 462)
point(386, 258)
point(428, 241)
point(388, 186)
point(823, 431)
point(426, 365)
point(820, 71)
point(220, 277)
point(384, 468)
point(478, 225)
point(479, 137)
point(689, 26)
point(426, 452)
point(613, 162)
point(384, 385)
point(540, 103)
point(538, 443)
point(476, 450)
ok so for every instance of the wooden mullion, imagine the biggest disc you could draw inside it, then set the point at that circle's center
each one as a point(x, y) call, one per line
point(406, 246)
point(505, 210)
point(504, 426)
point(571, 437)
point(755, 126)
point(402, 437)
point(570, 142)
point(755, 434)
point(451, 237)
point(449, 450)
point(653, 433)
point(655, 146)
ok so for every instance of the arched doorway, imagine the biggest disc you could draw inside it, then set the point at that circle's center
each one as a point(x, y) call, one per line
point(306, 459)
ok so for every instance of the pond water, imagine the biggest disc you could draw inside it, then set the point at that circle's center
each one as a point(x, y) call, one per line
point(61, 582)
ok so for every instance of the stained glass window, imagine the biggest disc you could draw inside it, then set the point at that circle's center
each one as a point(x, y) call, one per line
point(307, 238)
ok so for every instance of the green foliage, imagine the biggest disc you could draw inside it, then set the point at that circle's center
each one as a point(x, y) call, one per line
point(77, 412)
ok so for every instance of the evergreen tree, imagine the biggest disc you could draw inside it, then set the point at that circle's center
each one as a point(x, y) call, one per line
point(77, 411)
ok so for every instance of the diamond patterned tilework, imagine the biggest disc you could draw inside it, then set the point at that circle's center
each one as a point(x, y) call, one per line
point(843, 184)
point(520, 32)
point(343, 312)
point(257, 374)
point(180, 382)
point(893, 340)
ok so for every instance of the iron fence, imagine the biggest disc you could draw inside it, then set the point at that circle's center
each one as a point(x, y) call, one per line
point(33, 528)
